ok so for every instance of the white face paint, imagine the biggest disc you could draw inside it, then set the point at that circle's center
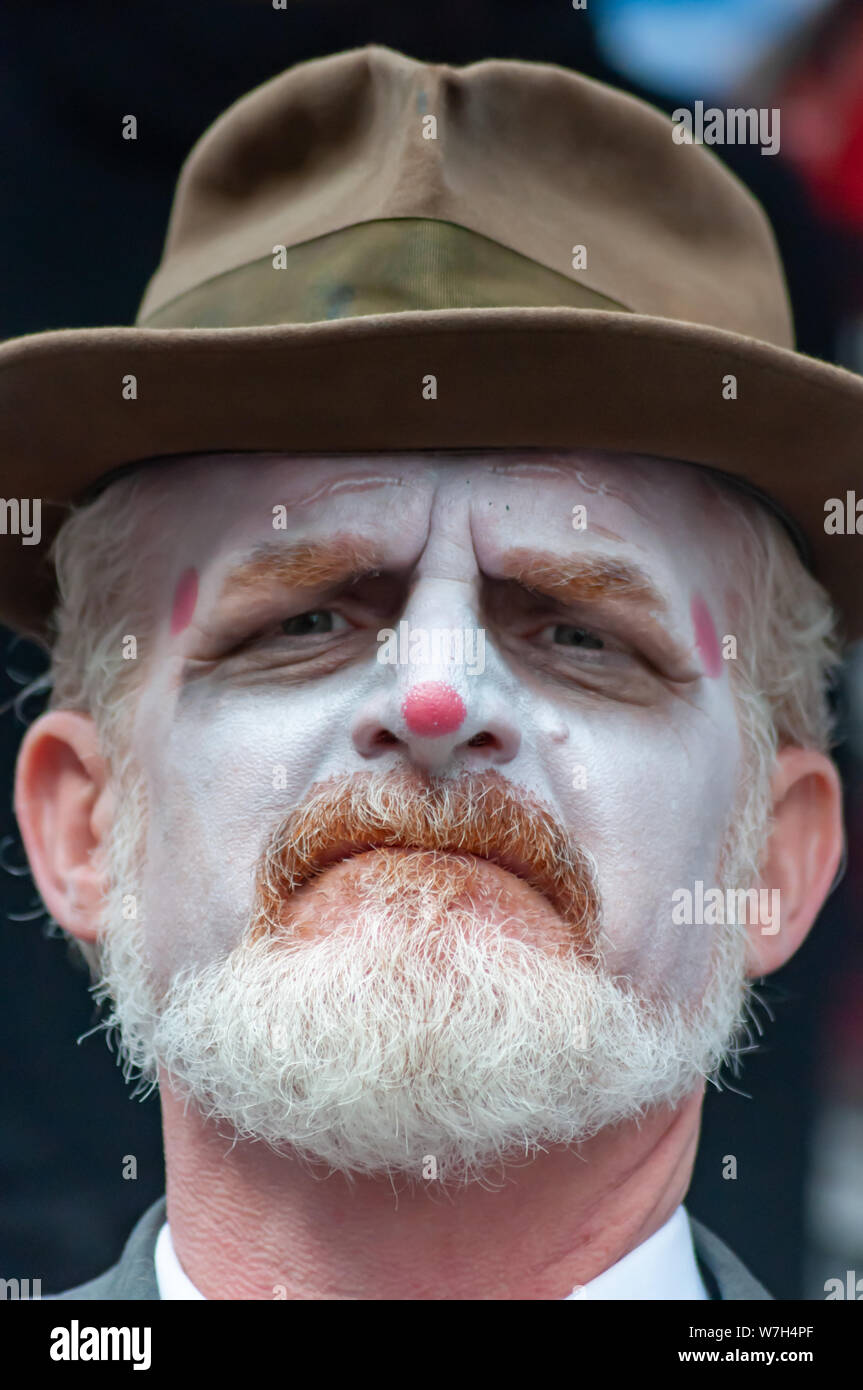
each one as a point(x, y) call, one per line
point(605, 702)
point(631, 747)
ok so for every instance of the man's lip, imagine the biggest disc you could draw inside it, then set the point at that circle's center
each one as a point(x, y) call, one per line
point(519, 868)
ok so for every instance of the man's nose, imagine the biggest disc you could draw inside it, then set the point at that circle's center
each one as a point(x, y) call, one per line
point(435, 724)
point(437, 717)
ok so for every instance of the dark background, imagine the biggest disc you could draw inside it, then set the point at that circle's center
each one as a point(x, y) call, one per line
point(81, 231)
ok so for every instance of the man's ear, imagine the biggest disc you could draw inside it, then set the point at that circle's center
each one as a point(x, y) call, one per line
point(803, 854)
point(64, 805)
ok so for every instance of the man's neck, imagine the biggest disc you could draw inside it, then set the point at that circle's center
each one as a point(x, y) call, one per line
point(247, 1224)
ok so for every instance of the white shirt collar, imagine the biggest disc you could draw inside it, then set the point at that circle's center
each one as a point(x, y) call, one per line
point(662, 1267)
point(171, 1277)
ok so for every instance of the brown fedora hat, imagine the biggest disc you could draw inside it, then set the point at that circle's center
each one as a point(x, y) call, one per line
point(373, 253)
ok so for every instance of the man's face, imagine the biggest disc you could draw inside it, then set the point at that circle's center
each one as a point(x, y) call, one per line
point(584, 686)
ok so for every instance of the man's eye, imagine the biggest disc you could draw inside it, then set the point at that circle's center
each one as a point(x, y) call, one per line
point(565, 635)
point(318, 620)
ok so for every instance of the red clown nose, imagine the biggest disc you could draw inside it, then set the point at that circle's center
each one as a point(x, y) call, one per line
point(432, 709)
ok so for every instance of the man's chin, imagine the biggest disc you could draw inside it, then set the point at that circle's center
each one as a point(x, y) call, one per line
point(404, 1038)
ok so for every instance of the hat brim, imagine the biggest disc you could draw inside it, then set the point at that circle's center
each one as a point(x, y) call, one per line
point(528, 377)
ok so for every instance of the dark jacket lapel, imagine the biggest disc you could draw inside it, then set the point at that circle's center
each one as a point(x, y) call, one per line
point(726, 1277)
point(134, 1274)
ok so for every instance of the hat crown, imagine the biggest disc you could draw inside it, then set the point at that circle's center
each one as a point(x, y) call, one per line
point(454, 167)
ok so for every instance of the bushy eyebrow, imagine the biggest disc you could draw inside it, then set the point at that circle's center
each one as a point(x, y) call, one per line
point(584, 578)
point(303, 565)
point(343, 558)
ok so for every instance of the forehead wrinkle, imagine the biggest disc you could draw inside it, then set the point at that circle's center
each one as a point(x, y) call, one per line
point(352, 483)
point(527, 472)
point(603, 466)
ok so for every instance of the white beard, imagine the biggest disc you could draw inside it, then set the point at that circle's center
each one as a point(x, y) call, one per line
point(411, 1032)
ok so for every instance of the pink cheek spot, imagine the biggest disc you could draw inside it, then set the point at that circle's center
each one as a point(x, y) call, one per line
point(705, 638)
point(432, 709)
point(185, 598)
